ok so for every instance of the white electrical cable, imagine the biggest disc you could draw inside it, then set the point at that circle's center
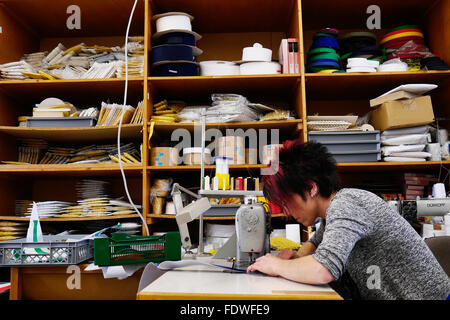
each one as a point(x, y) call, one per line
point(121, 119)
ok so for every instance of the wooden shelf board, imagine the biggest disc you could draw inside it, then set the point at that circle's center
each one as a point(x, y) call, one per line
point(390, 166)
point(14, 218)
point(364, 86)
point(100, 133)
point(180, 87)
point(170, 216)
point(70, 169)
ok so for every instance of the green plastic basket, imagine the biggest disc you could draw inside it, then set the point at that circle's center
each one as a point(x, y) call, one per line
point(125, 249)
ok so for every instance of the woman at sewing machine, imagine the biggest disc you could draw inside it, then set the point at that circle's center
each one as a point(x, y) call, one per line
point(362, 244)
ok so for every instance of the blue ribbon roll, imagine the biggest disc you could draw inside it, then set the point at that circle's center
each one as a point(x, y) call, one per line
point(175, 69)
point(177, 38)
point(325, 42)
point(172, 52)
point(323, 63)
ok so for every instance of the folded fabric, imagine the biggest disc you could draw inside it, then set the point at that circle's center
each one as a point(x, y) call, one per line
point(411, 154)
point(402, 159)
point(406, 139)
point(403, 131)
point(402, 148)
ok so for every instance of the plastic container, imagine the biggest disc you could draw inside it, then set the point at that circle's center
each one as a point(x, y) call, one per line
point(55, 250)
point(193, 156)
point(343, 136)
point(354, 146)
point(125, 249)
point(357, 157)
point(256, 53)
point(60, 122)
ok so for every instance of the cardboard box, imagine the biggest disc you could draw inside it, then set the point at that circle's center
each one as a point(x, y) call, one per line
point(397, 95)
point(164, 156)
point(403, 113)
point(232, 147)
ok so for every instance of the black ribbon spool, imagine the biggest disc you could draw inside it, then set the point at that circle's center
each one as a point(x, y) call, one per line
point(175, 69)
point(172, 52)
point(177, 38)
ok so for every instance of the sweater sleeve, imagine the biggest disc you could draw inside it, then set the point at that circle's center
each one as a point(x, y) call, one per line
point(316, 239)
point(346, 223)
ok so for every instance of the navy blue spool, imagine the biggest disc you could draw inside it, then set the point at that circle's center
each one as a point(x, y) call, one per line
point(175, 69)
point(323, 63)
point(177, 38)
point(172, 52)
point(325, 42)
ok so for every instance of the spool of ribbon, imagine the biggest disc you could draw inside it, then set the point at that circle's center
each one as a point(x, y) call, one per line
point(332, 56)
point(324, 63)
point(401, 35)
point(325, 42)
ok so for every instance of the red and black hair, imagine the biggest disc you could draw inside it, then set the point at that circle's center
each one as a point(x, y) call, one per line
point(299, 165)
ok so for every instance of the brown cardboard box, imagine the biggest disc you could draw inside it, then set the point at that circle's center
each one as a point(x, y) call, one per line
point(403, 113)
point(233, 147)
point(164, 156)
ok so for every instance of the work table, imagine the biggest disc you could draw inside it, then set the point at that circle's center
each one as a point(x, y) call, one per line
point(218, 284)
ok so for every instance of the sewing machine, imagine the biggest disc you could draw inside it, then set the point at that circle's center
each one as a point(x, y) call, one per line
point(411, 209)
point(252, 222)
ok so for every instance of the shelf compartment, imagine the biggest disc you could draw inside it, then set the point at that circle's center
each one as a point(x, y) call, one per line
point(347, 14)
point(105, 18)
point(232, 16)
point(206, 85)
point(100, 133)
point(75, 91)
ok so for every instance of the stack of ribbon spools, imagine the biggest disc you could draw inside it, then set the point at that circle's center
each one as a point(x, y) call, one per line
point(404, 43)
point(323, 55)
point(360, 45)
point(407, 43)
point(174, 47)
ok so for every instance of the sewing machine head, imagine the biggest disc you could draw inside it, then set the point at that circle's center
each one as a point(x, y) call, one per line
point(252, 233)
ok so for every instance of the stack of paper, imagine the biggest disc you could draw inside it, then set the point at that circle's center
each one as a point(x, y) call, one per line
point(14, 70)
point(78, 62)
point(31, 150)
point(110, 114)
point(22, 207)
point(88, 188)
point(405, 145)
point(10, 230)
point(50, 209)
point(138, 115)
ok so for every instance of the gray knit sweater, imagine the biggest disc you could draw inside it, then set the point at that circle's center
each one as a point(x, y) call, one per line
point(382, 253)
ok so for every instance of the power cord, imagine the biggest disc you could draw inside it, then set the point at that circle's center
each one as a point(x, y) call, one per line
point(121, 120)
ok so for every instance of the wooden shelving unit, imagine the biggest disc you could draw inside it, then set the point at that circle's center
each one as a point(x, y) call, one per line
point(226, 27)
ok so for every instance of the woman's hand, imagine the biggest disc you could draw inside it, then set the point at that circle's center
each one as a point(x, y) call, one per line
point(267, 264)
point(287, 254)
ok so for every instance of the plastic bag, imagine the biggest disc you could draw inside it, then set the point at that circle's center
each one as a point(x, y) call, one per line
point(412, 48)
